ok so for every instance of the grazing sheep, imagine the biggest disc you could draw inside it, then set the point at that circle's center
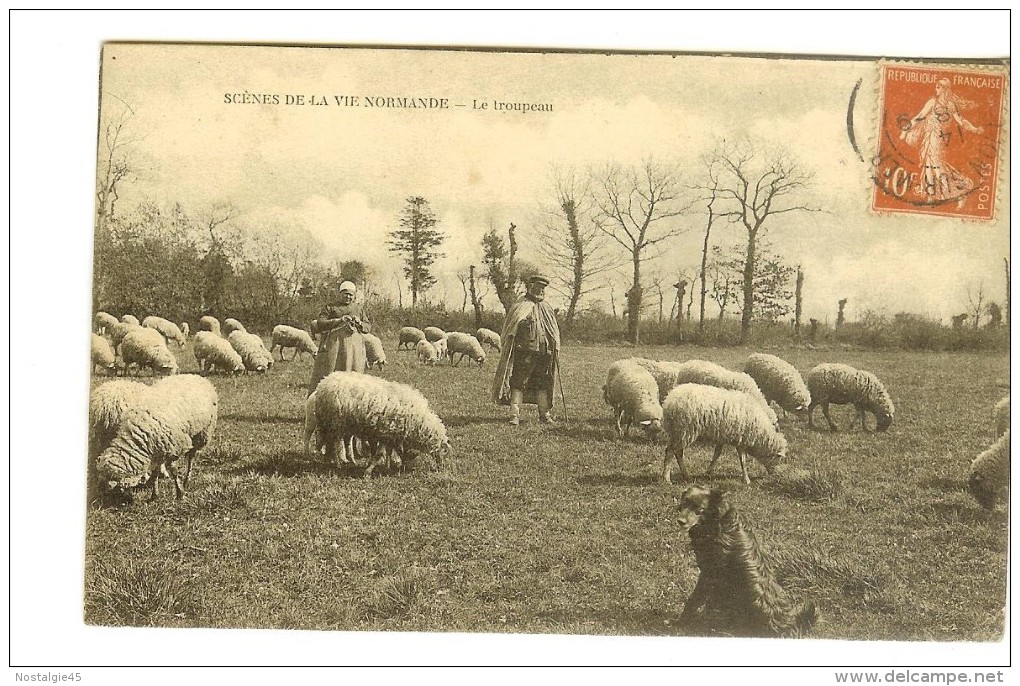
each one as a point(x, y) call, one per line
point(130, 319)
point(171, 420)
point(375, 355)
point(442, 347)
point(209, 323)
point(1001, 416)
point(672, 374)
point(694, 413)
point(632, 393)
point(119, 330)
point(214, 353)
point(779, 381)
point(146, 348)
point(108, 406)
point(842, 384)
point(169, 330)
point(737, 587)
point(410, 336)
point(253, 351)
point(293, 337)
point(433, 333)
point(185, 329)
point(488, 337)
point(102, 354)
point(231, 325)
point(989, 472)
point(104, 322)
point(466, 345)
point(389, 417)
point(426, 353)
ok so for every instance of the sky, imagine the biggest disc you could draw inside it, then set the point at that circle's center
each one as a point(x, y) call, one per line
point(343, 172)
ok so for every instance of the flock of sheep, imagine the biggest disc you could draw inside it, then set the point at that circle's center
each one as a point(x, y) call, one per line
point(701, 402)
point(140, 432)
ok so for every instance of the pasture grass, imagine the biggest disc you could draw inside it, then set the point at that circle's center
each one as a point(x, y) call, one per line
point(563, 528)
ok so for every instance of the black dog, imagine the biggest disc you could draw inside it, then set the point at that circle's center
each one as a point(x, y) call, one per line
point(736, 587)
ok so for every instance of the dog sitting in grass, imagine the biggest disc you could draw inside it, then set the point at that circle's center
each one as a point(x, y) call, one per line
point(736, 588)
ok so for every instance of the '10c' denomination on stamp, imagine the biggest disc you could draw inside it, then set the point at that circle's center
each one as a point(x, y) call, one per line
point(939, 139)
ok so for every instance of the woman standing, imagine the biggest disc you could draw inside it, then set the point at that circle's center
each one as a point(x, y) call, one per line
point(343, 347)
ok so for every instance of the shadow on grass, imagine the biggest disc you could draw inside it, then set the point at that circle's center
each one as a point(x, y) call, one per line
point(617, 479)
point(454, 421)
point(943, 484)
point(292, 463)
point(264, 419)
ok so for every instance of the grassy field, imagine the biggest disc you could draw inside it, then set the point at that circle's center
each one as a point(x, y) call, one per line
point(564, 528)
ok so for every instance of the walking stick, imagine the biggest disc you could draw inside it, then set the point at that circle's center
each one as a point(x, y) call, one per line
point(563, 398)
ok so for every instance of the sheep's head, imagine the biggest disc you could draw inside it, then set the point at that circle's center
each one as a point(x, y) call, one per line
point(883, 420)
point(651, 427)
point(982, 491)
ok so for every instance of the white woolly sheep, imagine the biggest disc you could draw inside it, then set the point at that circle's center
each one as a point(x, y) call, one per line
point(488, 337)
point(410, 336)
point(842, 384)
point(389, 417)
point(433, 333)
point(442, 347)
point(214, 353)
point(169, 330)
point(426, 353)
point(102, 354)
point(293, 337)
point(465, 345)
point(171, 420)
point(672, 374)
point(104, 321)
point(108, 406)
point(146, 348)
point(231, 325)
point(185, 329)
point(130, 319)
point(375, 356)
point(989, 472)
point(632, 393)
point(779, 381)
point(1001, 416)
point(119, 330)
point(209, 323)
point(695, 413)
point(253, 351)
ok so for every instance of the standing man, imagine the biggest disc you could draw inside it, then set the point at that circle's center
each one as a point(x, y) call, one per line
point(343, 347)
point(529, 361)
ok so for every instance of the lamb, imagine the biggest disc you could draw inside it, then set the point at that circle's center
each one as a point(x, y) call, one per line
point(130, 319)
point(171, 420)
point(104, 322)
point(388, 416)
point(231, 325)
point(102, 354)
point(707, 414)
point(844, 385)
point(488, 337)
point(672, 374)
point(146, 348)
point(779, 381)
point(989, 473)
point(1001, 416)
point(375, 355)
point(185, 329)
point(466, 345)
point(215, 353)
point(253, 351)
point(292, 337)
point(433, 333)
point(108, 406)
point(410, 336)
point(632, 393)
point(426, 353)
point(169, 330)
point(209, 323)
point(442, 347)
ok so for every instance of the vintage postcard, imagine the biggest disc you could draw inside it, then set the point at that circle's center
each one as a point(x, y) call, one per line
point(539, 342)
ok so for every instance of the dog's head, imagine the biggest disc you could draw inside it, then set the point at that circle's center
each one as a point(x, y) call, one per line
point(696, 503)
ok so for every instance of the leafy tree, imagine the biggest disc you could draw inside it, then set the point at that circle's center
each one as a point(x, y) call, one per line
point(771, 282)
point(417, 240)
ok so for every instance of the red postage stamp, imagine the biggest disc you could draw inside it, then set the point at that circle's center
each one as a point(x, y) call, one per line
point(939, 137)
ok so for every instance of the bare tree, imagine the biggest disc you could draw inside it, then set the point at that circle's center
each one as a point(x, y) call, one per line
point(634, 207)
point(573, 244)
point(476, 301)
point(502, 269)
point(754, 186)
point(976, 302)
point(114, 164)
point(798, 307)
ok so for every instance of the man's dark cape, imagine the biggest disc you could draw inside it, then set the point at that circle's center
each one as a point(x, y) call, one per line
point(546, 319)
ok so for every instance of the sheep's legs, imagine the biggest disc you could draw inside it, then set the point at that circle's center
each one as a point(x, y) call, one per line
point(825, 412)
point(864, 425)
point(619, 419)
point(667, 465)
point(715, 458)
point(743, 466)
